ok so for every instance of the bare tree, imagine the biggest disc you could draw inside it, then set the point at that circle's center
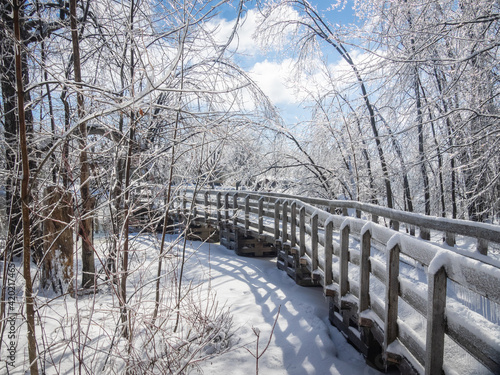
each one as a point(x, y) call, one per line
point(310, 26)
point(28, 288)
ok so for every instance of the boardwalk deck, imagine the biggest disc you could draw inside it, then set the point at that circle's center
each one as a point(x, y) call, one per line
point(398, 298)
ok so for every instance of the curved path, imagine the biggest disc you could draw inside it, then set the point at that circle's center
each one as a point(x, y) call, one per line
point(304, 341)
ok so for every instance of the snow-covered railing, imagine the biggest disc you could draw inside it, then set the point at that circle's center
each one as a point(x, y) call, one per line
point(410, 294)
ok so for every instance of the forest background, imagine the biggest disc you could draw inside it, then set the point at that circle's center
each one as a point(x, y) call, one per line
point(104, 103)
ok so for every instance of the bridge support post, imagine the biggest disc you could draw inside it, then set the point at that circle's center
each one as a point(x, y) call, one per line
point(260, 213)
point(284, 221)
point(235, 210)
point(293, 224)
point(314, 247)
point(302, 231)
point(207, 209)
point(392, 296)
point(434, 344)
point(286, 260)
point(247, 213)
point(364, 272)
point(276, 220)
point(328, 253)
point(344, 261)
point(219, 207)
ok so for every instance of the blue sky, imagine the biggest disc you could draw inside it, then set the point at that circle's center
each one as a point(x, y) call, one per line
point(271, 70)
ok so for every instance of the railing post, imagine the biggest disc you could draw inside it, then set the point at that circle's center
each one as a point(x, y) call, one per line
point(436, 304)
point(449, 238)
point(261, 215)
point(226, 208)
point(425, 234)
point(314, 241)
point(293, 224)
point(219, 206)
point(276, 220)
point(391, 296)
point(344, 260)
point(364, 272)
point(328, 253)
point(482, 246)
point(235, 210)
point(247, 213)
point(395, 225)
point(205, 199)
point(284, 222)
point(302, 231)
point(194, 206)
point(184, 203)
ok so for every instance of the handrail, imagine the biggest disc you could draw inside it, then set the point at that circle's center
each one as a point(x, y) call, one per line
point(483, 232)
point(304, 225)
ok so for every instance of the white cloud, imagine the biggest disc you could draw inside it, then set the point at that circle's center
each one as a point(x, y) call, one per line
point(243, 42)
point(276, 81)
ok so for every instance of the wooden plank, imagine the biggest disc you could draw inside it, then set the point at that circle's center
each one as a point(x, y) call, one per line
point(378, 270)
point(474, 343)
point(413, 343)
point(408, 293)
point(391, 296)
point(436, 304)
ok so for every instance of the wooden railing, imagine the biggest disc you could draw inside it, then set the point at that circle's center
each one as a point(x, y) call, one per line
point(379, 277)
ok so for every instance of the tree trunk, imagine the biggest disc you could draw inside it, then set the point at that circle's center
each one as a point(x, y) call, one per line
point(8, 82)
point(86, 206)
point(28, 289)
point(421, 151)
point(57, 263)
point(128, 169)
point(449, 130)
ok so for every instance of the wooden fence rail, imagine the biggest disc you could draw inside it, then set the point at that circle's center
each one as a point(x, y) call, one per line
point(400, 299)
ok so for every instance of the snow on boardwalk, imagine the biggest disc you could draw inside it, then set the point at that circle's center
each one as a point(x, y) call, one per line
point(304, 341)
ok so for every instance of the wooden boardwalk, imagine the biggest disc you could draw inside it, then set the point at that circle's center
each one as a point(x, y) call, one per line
point(374, 271)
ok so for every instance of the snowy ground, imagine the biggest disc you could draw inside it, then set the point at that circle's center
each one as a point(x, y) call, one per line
point(303, 341)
